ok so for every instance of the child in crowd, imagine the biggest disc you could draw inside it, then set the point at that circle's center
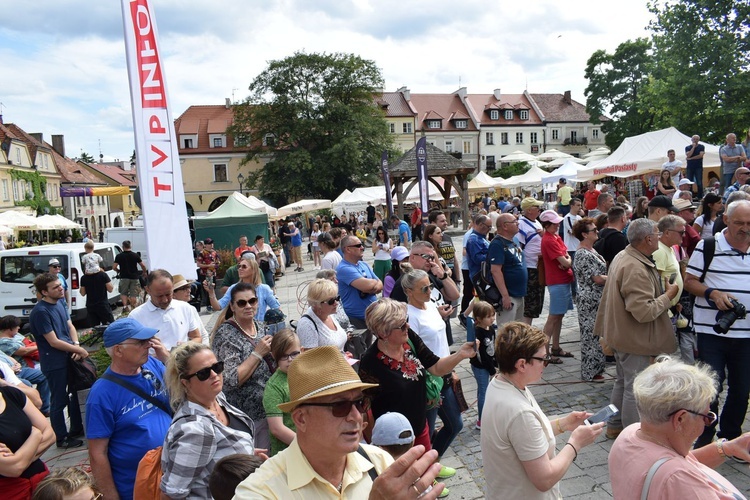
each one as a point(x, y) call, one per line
point(92, 262)
point(229, 472)
point(62, 484)
point(483, 364)
point(362, 232)
point(284, 348)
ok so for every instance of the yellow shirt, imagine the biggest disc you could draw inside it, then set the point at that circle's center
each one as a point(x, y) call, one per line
point(288, 475)
point(564, 194)
point(666, 264)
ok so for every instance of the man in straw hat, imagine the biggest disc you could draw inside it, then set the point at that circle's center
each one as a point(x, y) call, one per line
point(181, 290)
point(326, 459)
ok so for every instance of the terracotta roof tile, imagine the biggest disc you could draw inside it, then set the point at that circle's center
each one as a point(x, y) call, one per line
point(211, 119)
point(118, 175)
point(31, 142)
point(72, 172)
point(439, 105)
point(555, 108)
point(515, 102)
point(397, 105)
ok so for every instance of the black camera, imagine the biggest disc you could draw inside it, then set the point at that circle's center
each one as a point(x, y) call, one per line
point(725, 319)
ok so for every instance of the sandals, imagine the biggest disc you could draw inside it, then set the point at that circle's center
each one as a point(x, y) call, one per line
point(553, 360)
point(560, 353)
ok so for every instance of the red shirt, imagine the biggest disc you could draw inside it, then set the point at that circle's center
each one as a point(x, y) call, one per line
point(552, 248)
point(590, 198)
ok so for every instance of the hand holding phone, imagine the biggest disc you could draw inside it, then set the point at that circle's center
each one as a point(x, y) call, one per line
point(602, 415)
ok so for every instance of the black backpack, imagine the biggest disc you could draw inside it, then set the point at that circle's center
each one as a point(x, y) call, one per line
point(484, 285)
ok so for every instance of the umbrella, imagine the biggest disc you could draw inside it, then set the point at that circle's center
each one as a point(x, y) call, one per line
point(518, 156)
point(561, 161)
point(48, 222)
point(65, 223)
point(5, 231)
point(303, 206)
point(598, 152)
point(553, 154)
point(18, 221)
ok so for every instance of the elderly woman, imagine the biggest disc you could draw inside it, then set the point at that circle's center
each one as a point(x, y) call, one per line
point(205, 427)
point(249, 273)
point(318, 326)
point(673, 402)
point(590, 271)
point(518, 440)
point(341, 317)
point(399, 362)
point(240, 343)
point(558, 276)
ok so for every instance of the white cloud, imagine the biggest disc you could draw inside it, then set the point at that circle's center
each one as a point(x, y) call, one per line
point(67, 60)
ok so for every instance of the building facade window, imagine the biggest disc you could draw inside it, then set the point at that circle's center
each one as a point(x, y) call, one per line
point(406, 127)
point(489, 138)
point(462, 123)
point(573, 136)
point(220, 172)
point(519, 137)
point(188, 143)
point(448, 146)
point(433, 123)
point(269, 140)
point(595, 133)
point(494, 114)
point(467, 147)
point(555, 134)
point(130, 200)
point(491, 163)
point(6, 191)
point(508, 114)
point(533, 138)
point(524, 114)
point(503, 137)
point(392, 128)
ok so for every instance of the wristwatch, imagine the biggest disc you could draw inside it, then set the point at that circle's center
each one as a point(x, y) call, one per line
point(445, 277)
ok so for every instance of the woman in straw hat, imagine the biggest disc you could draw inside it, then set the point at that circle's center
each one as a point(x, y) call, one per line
point(205, 426)
point(181, 290)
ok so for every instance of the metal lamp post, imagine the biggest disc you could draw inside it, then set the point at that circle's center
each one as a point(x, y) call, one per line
point(241, 180)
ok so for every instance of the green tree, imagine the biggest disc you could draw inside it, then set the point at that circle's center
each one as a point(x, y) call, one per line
point(316, 118)
point(702, 56)
point(617, 88)
point(85, 157)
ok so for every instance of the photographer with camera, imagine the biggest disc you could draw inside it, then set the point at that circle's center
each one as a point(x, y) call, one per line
point(719, 316)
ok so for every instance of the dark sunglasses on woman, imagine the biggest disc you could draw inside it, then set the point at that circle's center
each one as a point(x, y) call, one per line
point(243, 302)
point(204, 373)
point(332, 301)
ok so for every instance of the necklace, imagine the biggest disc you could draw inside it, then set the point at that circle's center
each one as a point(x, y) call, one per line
point(652, 439)
point(243, 330)
point(341, 485)
point(522, 391)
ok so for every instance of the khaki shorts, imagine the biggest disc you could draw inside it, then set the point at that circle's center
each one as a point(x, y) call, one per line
point(131, 288)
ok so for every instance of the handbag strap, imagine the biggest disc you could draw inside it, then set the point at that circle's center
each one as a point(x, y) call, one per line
point(138, 391)
point(372, 472)
point(267, 358)
point(650, 476)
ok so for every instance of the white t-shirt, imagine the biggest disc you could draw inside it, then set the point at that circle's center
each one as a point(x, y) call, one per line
point(707, 228)
point(8, 374)
point(514, 429)
point(530, 239)
point(173, 323)
point(570, 241)
point(317, 333)
point(384, 252)
point(331, 260)
point(430, 326)
point(674, 169)
point(494, 215)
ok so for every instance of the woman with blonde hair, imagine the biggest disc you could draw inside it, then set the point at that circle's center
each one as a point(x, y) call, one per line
point(318, 326)
point(205, 426)
point(249, 272)
point(66, 484)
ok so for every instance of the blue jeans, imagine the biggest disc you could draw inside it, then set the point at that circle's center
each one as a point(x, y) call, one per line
point(482, 377)
point(726, 181)
point(722, 353)
point(33, 376)
point(451, 417)
point(695, 174)
point(59, 399)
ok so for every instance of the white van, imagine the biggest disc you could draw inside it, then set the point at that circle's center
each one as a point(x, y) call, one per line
point(136, 236)
point(19, 267)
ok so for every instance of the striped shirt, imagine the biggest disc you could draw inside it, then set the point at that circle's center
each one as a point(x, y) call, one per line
point(728, 272)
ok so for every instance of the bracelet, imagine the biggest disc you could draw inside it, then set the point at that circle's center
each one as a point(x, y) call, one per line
point(559, 427)
point(76, 343)
point(260, 358)
point(707, 293)
point(720, 447)
point(574, 450)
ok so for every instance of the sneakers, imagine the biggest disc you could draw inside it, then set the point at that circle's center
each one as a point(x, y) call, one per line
point(69, 442)
point(446, 472)
point(75, 434)
point(598, 378)
point(462, 319)
point(478, 425)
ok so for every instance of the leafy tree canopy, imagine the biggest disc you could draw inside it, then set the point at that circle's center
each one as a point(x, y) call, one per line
point(86, 157)
point(316, 118)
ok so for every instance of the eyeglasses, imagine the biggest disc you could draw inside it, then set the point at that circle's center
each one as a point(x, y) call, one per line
point(332, 301)
point(139, 343)
point(204, 373)
point(290, 356)
point(681, 233)
point(97, 496)
point(341, 409)
point(403, 327)
point(242, 302)
point(427, 256)
point(708, 418)
point(151, 377)
point(55, 266)
point(594, 230)
point(544, 360)
point(358, 245)
point(243, 267)
point(427, 288)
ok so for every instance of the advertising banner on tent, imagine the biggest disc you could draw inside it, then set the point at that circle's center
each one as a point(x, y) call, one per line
point(387, 181)
point(424, 191)
point(158, 163)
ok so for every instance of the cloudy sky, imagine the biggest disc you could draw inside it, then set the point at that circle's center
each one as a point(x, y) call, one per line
point(65, 72)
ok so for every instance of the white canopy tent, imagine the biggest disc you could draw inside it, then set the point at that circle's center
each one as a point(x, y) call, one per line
point(482, 182)
point(518, 156)
point(256, 204)
point(553, 154)
point(598, 152)
point(646, 153)
point(561, 161)
point(532, 177)
point(18, 221)
point(303, 206)
point(567, 170)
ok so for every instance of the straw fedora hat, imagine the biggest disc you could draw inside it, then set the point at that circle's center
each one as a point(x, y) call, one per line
point(179, 281)
point(319, 372)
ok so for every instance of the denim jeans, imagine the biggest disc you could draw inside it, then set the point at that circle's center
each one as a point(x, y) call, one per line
point(451, 417)
point(59, 399)
point(732, 355)
point(482, 377)
point(695, 174)
point(36, 377)
point(726, 181)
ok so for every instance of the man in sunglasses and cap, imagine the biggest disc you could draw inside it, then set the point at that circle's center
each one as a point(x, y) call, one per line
point(326, 459)
point(121, 423)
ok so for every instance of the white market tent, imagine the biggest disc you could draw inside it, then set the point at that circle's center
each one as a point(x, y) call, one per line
point(646, 153)
point(482, 182)
point(532, 177)
point(561, 161)
point(256, 204)
point(65, 223)
point(518, 156)
point(356, 201)
point(18, 221)
point(553, 154)
point(603, 151)
point(568, 170)
point(303, 206)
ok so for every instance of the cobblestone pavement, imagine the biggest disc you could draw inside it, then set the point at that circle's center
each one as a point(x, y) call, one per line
point(559, 392)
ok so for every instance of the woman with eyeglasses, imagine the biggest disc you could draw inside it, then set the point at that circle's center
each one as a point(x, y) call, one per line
point(285, 348)
point(249, 272)
point(399, 362)
point(673, 400)
point(205, 427)
point(518, 440)
point(319, 326)
point(239, 340)
point(590, 271)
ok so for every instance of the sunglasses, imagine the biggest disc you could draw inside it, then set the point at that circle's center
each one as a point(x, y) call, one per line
point(545, 360)
point(341, 409)
point(427, 288)
point(332, 301)
point(290, 356)
point(594, 230)
point(204, 373)
point(243, 267)
point(427, 256)
point(359, 245)
point(242, 302)
point(708, 418)
point(56, 267)
point(403, 327)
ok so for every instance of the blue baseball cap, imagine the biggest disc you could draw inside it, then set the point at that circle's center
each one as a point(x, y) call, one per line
point(124, 329)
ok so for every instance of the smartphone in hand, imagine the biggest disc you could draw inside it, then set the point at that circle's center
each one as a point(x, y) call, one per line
point(602, 415)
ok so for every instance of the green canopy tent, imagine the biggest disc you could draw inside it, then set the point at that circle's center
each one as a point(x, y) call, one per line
point(230, 221)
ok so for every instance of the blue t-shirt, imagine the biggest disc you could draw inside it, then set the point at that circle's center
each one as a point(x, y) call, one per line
point(403, 227)
point(476, 252)
point(265, 296)
point(509, 255)
point(297, 239)
point(45, 318)
point(354, 304)
point(132, 424)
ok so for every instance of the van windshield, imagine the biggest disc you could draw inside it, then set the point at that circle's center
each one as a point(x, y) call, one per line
point(24, 268)
point(108, 257)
